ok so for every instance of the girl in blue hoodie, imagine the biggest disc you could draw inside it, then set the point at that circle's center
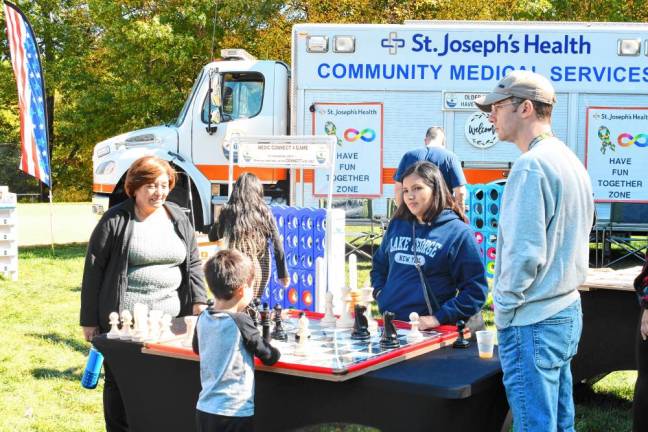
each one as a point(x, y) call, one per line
point(428, 261)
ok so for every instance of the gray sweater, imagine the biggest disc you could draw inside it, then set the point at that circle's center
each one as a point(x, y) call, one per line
point(543, 240)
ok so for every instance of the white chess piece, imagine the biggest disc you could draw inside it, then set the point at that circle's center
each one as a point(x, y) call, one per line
point(328, 320)
point(190, 322)
point(165, 324)
point(345, 320)
point(367, 298)
point(154, 325)
point(353, 272)
point(140, 313)
point(414, 334)
point(127, 320)
point(114, 332)
point(304, 334)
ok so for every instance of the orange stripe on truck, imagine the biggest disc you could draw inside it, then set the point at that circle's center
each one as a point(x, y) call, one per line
point(481, 176)
point(103, 188)
point(221, 172)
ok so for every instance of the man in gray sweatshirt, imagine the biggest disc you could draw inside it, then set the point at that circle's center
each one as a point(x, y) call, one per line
point(542, 255)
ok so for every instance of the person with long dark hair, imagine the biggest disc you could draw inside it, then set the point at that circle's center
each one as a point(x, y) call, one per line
point(640, 400)
point(246, 223)
point(428, 261)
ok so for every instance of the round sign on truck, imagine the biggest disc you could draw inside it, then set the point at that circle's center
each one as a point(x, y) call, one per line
point(479, 131)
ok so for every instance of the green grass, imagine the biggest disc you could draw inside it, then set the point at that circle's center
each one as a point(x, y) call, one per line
point(42, 355)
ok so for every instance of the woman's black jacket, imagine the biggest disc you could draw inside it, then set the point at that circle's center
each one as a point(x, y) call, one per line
point(106, 265)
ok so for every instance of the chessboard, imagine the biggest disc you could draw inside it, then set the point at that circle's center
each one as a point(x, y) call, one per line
point(331, 353)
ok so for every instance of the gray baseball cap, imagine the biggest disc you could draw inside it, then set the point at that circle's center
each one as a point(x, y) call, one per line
point(520, 83)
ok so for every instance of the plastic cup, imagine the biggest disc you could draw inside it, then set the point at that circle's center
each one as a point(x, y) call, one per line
point(485, 342)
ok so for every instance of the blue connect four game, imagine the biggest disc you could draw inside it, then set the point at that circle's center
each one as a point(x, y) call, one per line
point(303, 232)
point(484, 204)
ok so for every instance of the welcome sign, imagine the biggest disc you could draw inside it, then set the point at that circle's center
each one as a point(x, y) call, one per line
point(616, 153)
point(358, 130)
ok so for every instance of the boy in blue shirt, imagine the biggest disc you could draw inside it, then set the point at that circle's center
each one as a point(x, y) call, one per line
point(227, 342)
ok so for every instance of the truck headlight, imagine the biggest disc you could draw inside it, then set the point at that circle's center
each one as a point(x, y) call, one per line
point(103, 151)
point(139, 140)
point(106, 168)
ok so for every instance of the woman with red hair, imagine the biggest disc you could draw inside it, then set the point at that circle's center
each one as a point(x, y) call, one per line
point(143, 250)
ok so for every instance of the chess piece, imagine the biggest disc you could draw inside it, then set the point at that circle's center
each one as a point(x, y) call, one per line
point(114, 332)
point(302, 335)
point(389, 338)
point(127, 321)
point(155, 316)
point(329, 318)
point(360, 327)
point(461, 342)
point(140, 313)
point(190, 323)
point(265, 322)
point(303, 332)
point(278, 333)
point(165, 324)
point(415, 334)
point(353, 272)
point(366, 299)
point(345, 320)
point(253, 310)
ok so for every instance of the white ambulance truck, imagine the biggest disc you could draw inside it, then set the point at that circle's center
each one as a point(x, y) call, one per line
point(378, 88)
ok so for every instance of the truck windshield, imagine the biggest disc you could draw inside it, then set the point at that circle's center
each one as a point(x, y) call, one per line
point(242, 96)
point(187, 103)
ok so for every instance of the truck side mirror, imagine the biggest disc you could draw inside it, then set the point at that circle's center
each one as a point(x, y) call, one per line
point(215, 101)
point(215, 86)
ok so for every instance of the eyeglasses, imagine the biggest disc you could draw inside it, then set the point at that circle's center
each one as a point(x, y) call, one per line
point(496, 108)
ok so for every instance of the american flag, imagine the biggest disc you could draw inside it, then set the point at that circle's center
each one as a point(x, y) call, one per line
point(26, 63)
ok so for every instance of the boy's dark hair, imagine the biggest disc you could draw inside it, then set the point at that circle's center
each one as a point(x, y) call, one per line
point(226, 271)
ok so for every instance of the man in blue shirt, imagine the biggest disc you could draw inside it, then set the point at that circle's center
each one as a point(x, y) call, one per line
point(444, 159)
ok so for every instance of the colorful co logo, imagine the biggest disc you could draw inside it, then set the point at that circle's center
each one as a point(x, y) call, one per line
point(626, 140)
point(366, 135)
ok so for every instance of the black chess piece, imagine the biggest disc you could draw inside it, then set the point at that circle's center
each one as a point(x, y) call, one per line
point(265, 322)
point(461, 342)
point(253, 311)
point(278, 333)
point(389, 338)
point(360, 325)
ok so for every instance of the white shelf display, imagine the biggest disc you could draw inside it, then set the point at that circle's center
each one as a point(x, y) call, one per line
point(8, 234)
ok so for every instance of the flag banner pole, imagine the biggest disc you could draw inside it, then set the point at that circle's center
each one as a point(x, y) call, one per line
point(35, 158)
point(51, 218)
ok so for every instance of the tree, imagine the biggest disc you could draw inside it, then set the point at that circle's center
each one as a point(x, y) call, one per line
point(114, 66)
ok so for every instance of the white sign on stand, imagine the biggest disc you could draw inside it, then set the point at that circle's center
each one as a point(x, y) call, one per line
point(358, 131)
point(286, 151)
point(616, 153)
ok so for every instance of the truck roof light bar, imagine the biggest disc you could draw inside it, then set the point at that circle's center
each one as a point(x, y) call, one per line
point(317, 44)
point(343, 44)
point(629, 47)
point(236, 54)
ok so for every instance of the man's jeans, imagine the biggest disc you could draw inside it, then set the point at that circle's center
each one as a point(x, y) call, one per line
point(537, 376)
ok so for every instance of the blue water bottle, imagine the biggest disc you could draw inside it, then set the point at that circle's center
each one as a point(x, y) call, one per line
point(93, 368)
